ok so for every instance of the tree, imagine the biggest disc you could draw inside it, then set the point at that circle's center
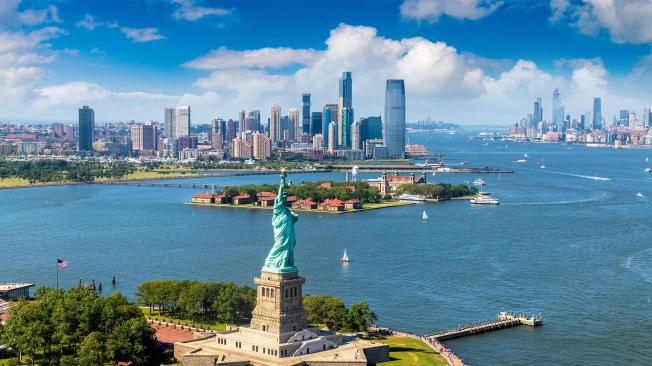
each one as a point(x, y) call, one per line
point(91, 351)
point(325, 309)
point(360, 317)
point(28, 329)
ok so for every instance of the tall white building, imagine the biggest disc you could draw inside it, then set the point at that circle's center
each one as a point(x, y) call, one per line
point(356, 142)
point(169, 125)
point(275, 123)
point(296, 127)
point(182, 121)
point(332, 137)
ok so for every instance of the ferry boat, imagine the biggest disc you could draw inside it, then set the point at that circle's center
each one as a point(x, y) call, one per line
point(479, 182)
point(345, 257)
point(484, 200)
point(411, 197)
point(521, 161)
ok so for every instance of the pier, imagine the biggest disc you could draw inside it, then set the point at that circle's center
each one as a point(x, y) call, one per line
point(502, 321)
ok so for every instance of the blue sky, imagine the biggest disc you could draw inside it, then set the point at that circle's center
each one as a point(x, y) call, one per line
point(466, 61)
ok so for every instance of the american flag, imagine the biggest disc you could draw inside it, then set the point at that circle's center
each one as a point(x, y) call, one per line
point(62, 263)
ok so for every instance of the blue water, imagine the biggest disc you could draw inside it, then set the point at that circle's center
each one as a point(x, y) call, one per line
point(577, 251)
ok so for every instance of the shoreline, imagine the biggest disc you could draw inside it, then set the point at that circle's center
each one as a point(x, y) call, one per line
point(380, 206)
point(108, 181)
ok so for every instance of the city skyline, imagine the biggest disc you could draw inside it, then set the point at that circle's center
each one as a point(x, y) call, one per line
point(457, 58)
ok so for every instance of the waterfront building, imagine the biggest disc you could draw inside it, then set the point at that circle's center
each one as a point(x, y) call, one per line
point(332, 137)
point(370, 145)
point(279, 333)
point(182, 121)
point(389, 184)
point(86, 130)
point(262, 146)
point(345, 101)
point(305, 114)
point(318, 141)
point(14, 291)
point(329, 114)
point(275, 123)
point(597, 114)
point(295, 127)
point(316, 121)
point(350, 154)
point(356, 141)
point(371, 128)
point(346, 124)
point(394, 129)
point(169, 126)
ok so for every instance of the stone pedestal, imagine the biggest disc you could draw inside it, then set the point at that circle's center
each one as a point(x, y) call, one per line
point(279, 308)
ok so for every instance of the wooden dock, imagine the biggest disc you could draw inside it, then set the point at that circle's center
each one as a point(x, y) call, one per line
point(502, 321)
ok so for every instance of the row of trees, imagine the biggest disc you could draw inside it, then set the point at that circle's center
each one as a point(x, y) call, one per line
point(312, 190)
point(440, 190)
point(223, 302)
point(78, 327)
point(63, 171)
point(331, 311)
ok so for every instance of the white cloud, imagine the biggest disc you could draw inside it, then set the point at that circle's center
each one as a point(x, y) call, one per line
point(136, 35)
point(139, 35)
point(189, 10)
point(431, 10)
point(223, 58)
point(626, 21)
point(11, 16)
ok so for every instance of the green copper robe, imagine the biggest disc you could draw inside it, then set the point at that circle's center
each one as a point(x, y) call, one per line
point(281, 258)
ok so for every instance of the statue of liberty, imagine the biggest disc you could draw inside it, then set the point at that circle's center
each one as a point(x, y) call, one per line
point(281, 258)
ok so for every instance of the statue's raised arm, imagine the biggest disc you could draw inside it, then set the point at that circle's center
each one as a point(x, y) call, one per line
point(281, 258)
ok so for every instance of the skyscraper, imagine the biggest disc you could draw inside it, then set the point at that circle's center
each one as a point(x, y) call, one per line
point(346, 124)
point(557, 109)
point(262, 146)
point(275, 123)
point(182, 121)
point(538, 112)
point(295, 128)
point(305, 111)
point(316, 121)
point(356, 142)
point(623, 119)
point(371, 128)
point(395, 118)
point(345, 100)
point(241, 120)
point(597, 114)
point(332, 137)
point(86, 130)
point(329, 115)
point(169, 114)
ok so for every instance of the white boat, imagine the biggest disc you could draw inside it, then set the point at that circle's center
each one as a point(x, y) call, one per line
point(647, 170)
point(411, 197)
point(596, 178)
point(541, 164)
point(525, 156)
point(479, 182)
point(521, 161)
point(647, 158)
point(424, 217)
point(345, 257)
point(484, 200)
point(640, 195)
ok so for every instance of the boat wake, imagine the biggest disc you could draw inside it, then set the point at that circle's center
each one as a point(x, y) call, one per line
point(641, 264)
point(597, 198)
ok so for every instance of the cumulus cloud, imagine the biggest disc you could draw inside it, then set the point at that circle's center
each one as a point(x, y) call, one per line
point(136, 35)
point(189, 10)
point(11, 15)
point(626, 21)
point(139, 35)
point(223, 58)
point(432, 10)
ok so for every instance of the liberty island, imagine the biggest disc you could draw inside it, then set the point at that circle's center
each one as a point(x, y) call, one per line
point(279, 333)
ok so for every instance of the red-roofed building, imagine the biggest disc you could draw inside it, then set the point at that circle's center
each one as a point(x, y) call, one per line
point(331, 205)
point(353, 204)
point(266, 199)
point(389, 183)
point(305, 204)
point(241, 199)
point(327, 185)
point(222, 199)
point(290, 200)
point(203, 198)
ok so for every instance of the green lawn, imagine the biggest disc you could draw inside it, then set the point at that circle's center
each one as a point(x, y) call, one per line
point(204, 324)
point(406, 351)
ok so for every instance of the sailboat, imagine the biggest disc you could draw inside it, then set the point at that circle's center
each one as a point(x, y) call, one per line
point(541, 164)
point(345, 257)
point(424, 217)
point(647, 158)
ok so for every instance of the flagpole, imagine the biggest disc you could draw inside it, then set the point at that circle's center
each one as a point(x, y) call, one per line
point(57, 273)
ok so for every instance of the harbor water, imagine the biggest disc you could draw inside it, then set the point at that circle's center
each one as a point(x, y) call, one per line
point(561, 244)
